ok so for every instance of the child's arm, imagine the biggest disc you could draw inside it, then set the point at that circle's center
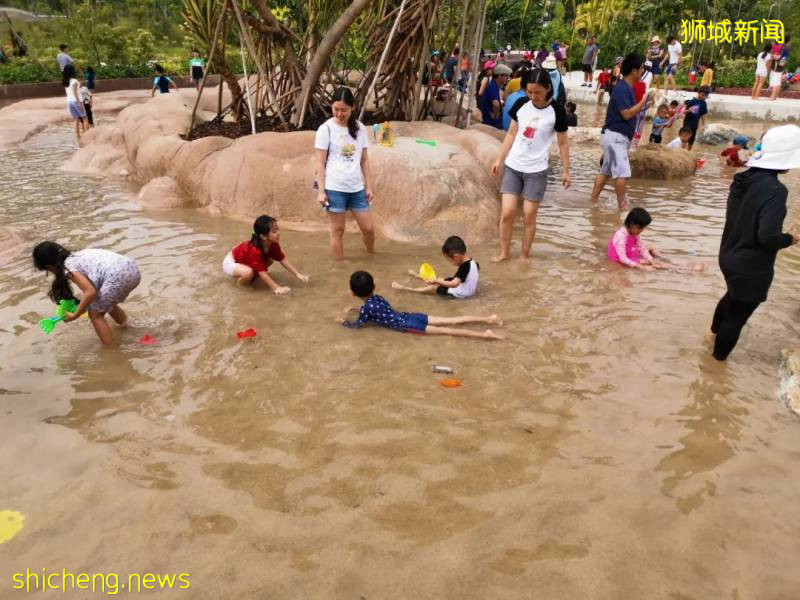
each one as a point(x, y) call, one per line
point(289, 267)
point(88, 294)
point(153, 92)
point(360, 322)
point(454, 282)
point(278, 290)
point(172, 83)
point(647, 258)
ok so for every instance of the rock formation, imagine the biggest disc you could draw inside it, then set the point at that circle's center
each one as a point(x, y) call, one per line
point(423, 193)
point(717, 134)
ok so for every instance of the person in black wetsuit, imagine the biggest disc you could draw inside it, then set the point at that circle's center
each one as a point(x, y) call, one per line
point(753, 234)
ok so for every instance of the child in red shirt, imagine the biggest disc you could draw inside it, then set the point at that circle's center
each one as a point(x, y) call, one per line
point(731, 155)
point(603, 84)
point(253, 257)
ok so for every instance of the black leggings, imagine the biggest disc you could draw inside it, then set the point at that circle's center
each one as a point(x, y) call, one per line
point(729, 318)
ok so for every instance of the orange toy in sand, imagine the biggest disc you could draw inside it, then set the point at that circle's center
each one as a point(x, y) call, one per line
point(450, 383)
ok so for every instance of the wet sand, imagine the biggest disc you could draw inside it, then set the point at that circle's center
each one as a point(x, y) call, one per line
point(599, 452)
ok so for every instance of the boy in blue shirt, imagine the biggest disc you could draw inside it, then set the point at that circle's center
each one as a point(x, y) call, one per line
point(619, 128)
point(377, 310)
point(696, 109)
point(161, 82)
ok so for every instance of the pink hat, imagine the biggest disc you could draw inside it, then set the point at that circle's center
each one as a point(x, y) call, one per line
point(489, 64)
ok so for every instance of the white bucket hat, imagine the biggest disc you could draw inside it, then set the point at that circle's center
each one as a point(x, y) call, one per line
point(780, 149)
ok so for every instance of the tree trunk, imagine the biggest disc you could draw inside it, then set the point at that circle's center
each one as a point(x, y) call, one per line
point(322, 56)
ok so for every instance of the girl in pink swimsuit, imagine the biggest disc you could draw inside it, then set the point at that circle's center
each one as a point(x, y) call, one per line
point(626, 247)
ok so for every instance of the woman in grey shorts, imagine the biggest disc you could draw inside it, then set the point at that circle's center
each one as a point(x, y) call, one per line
point(525, 154)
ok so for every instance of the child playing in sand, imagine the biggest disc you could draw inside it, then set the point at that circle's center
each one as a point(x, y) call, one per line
point(462, 285)
point(105, 279)
point(682, 141)
point(253, 257)
point(377, 310)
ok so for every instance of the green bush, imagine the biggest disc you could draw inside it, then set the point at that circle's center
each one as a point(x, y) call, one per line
point(26, 71)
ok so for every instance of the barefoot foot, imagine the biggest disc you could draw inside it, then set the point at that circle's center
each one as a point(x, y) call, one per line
point(397, 286)
point(413, 273)
point(495, 320)
point(500, 258)
point(491, 335)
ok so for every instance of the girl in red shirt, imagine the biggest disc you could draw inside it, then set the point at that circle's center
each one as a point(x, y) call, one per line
point(253, 257)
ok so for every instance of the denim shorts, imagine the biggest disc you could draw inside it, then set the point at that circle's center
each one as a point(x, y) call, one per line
point(672, 69)
point(76, 110)
point(339, 202)
point(416, 323)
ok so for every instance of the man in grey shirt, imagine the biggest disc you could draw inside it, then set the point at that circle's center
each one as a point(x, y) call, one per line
point(588, 61)
point(63, 58)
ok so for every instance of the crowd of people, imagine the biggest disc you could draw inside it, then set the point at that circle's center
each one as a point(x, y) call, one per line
point(751, 239)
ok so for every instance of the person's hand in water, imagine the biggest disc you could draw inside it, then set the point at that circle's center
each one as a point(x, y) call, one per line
point(303, 278)
point(795, 238)
point(281, 290)
point(565, 180)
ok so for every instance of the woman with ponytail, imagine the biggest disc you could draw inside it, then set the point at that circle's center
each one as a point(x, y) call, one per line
point(343, 177)
point(253, 257)
point(104, 278)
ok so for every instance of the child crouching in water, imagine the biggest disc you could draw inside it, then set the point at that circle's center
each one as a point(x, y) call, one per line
point(377, 310)
point(253, 257)
point(105, 279)
point(462, 285)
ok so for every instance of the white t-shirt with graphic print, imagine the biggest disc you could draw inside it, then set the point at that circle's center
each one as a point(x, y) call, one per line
point(343, 169)
point(536, 128)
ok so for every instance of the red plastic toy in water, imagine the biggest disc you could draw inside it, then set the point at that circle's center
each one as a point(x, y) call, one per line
point(451, 383)
point(699, 162)
point(246, 333)
point(148, 340)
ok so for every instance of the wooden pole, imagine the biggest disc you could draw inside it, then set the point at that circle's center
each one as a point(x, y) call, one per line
point(247, 87)
point(380, 62)
point(205, 74)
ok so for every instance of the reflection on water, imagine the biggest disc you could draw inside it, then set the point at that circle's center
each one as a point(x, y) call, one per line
point(598, 424)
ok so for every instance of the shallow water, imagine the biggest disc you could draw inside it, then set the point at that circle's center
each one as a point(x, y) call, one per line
point(597, 453)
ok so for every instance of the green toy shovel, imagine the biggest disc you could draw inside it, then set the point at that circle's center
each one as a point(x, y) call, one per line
point(65, 306)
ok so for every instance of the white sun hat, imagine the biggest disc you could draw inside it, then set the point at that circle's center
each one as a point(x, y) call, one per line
point(780, 149)
point(549, 62)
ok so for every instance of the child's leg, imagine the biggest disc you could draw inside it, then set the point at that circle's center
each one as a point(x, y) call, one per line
point(243, 274)
point(428, 289)
point(486, 335)
point(492, 319)
point(118, 315)
point(101, 327)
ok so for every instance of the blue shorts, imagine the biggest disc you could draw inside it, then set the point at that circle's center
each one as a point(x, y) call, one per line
point(339, 202)
point(416, 323)
point(672, 69)
point(656, 68)
point(76, 110)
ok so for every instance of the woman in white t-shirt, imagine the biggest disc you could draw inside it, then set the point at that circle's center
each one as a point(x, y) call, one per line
point(74, 99)
point(673, 60)
point(525, 154)
point(762, 70)
point(343, 171)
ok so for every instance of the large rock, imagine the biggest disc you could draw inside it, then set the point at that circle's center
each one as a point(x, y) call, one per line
point(717, 134)
point(654, 161)
point(423, 193)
